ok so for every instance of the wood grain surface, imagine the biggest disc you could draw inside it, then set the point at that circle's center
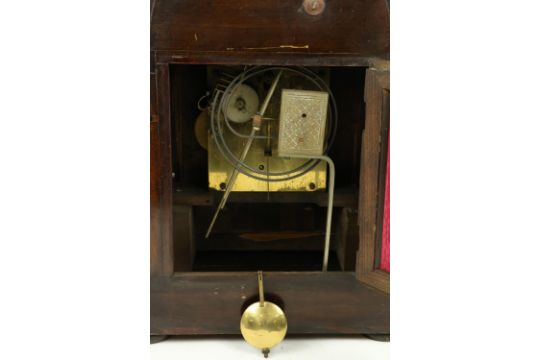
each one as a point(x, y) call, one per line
point(314, 303)
point(371, 189)
point(358, 27)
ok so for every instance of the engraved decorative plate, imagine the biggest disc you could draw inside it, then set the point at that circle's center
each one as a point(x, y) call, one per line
point(302, 122)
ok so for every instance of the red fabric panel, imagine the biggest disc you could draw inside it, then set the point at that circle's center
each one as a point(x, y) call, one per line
point(385, 247)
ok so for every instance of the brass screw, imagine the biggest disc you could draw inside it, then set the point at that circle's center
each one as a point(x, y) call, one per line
point(314, 7)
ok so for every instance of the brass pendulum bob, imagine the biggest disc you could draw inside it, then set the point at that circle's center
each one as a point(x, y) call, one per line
point(263, 324)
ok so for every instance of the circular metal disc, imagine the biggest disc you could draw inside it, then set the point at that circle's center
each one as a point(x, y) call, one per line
point(201, 129)
point(242, 104)
point(263, 326)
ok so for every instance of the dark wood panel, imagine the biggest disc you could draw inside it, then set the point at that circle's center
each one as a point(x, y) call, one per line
point(346, 238)
point(345, 197)
point(347, 26)
point(385, 126)
point(184, 241)
point(155, 191)
point(164, 248)
point(261, 58)
point(369, 171)
point(314, 303)
point(154, 198)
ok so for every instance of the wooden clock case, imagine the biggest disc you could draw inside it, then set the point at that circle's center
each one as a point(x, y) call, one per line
point(200, 288)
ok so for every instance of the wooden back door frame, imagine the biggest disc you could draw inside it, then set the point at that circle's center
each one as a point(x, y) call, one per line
point(372, 175)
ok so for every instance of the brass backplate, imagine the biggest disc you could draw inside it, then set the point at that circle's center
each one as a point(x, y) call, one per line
point(219, 169)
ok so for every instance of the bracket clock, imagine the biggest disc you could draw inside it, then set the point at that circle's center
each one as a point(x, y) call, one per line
point(269, 134)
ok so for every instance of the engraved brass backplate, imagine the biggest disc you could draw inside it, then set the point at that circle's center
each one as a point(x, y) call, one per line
point(219, 170)
point(263, 154)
